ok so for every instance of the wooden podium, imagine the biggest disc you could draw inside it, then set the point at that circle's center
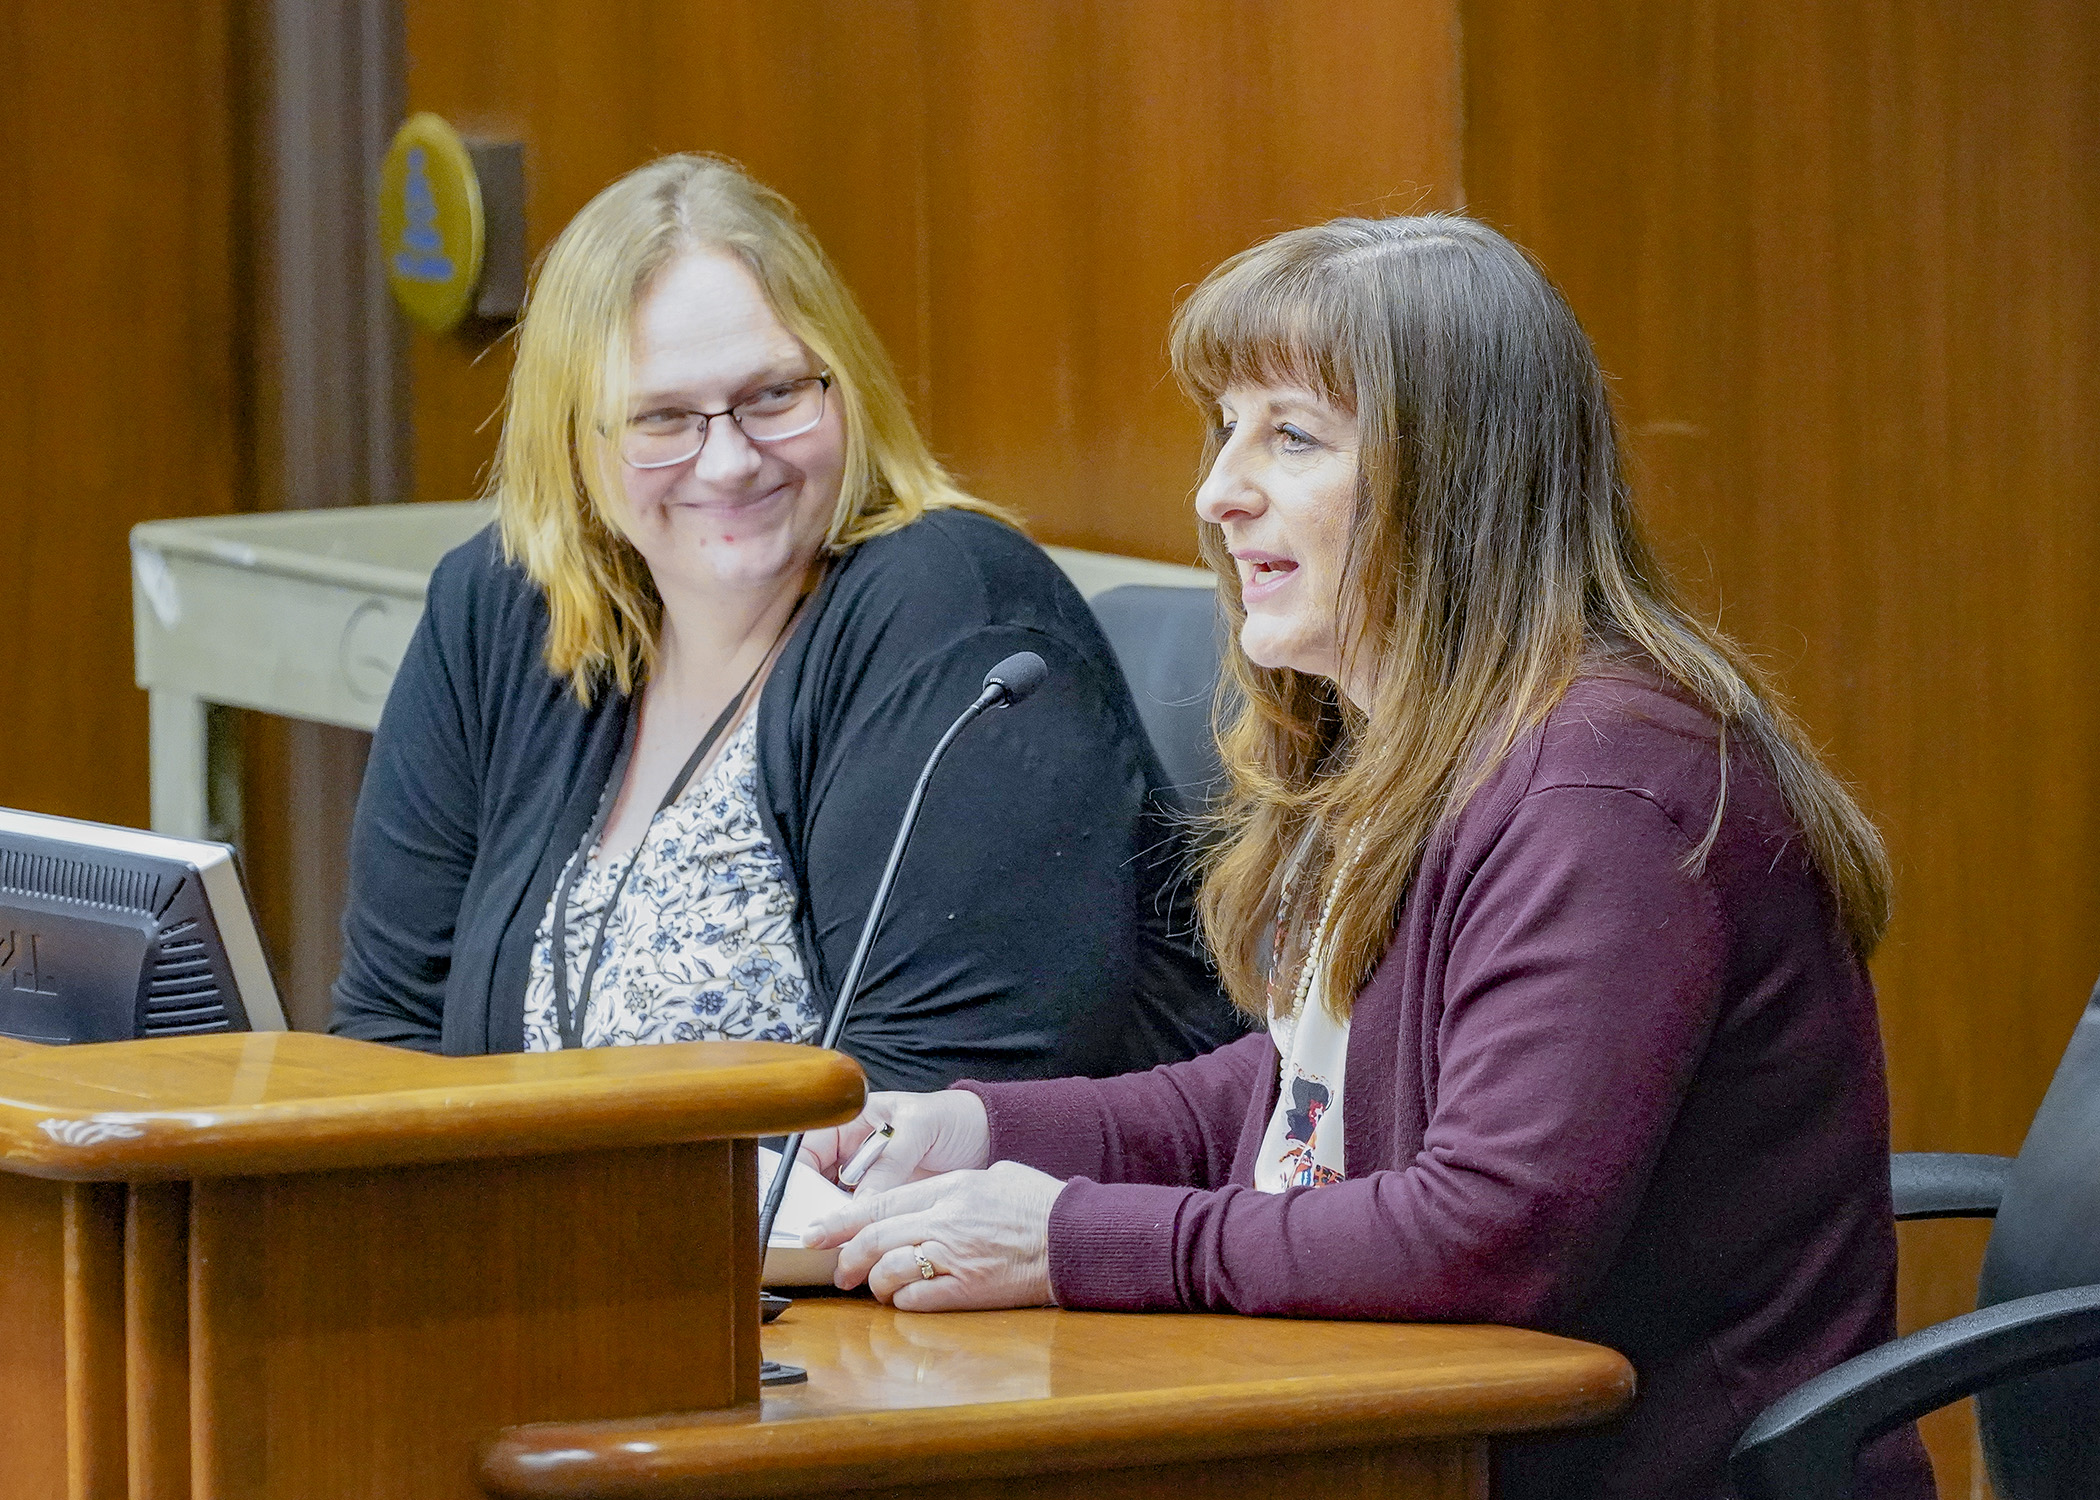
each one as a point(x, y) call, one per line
point(302, 1268)
point(292, 1267)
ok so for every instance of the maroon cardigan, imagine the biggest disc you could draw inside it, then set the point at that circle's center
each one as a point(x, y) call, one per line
point(1588, 1091)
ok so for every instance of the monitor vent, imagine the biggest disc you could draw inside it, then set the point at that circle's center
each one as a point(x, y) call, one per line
point(182, 996)
point(77, 880)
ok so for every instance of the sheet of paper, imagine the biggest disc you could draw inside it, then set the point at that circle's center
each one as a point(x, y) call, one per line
point(810, 1196)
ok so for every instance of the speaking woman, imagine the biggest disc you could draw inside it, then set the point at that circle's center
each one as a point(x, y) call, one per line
point(642, 762)
point(1558, 927)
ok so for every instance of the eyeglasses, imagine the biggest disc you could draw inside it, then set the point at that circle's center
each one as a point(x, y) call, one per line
point(664, 439)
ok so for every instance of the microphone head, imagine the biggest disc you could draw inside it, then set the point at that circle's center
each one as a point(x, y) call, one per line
point(1020, 674)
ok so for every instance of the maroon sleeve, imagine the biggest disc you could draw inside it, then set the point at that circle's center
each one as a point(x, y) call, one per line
point(1178, 1123)
point(1581, 984)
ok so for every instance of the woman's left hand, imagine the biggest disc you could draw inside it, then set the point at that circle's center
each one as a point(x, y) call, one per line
point(986, 1236)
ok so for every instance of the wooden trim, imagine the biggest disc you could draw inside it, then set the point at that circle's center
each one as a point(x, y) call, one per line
point(745, 1273)
point(1450, 1469)
point(331, 422)
point(32, 1339)
point(332, 392)
point(94, 1320)
point(228, 1400)
point(157, 1339)
point(292, 1102)
point(897, 1399)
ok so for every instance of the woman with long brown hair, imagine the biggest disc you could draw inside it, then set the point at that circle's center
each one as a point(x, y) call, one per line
point(1558, 926)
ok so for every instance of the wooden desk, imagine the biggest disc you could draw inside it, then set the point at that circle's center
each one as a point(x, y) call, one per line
point(290, 1266)
point(967, 1406)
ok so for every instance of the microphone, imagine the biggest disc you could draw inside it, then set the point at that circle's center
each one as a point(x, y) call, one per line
point(1020, 674)
point(1006, 684)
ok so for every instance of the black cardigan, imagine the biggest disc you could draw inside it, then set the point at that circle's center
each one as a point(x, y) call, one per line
point(1040, 924)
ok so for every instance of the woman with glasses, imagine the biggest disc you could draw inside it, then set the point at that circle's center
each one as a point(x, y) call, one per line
point(642, 763)
point(1558, 926)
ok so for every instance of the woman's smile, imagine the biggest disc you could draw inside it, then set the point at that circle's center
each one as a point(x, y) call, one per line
point(757, 507)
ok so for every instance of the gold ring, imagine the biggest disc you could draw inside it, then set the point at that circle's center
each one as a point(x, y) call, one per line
point(926, 1270)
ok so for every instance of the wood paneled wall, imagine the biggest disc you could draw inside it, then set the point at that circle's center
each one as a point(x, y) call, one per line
point(1015, 191)
point(1839, 254)
point(121, 382)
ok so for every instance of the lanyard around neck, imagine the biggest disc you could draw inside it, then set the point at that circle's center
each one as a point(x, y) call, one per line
point(568, 1020)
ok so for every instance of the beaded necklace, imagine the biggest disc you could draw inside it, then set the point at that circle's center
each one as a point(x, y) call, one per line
point(1309, 960)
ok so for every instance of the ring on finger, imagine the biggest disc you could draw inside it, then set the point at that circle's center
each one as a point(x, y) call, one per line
point(926, 1267)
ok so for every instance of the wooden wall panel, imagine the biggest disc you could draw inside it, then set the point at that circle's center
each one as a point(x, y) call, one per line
point(1015, 191)
point(1839, 255)
point(120, 390)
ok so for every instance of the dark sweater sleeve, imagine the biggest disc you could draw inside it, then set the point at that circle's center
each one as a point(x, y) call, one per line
point(1582, 983)
point(414, 840)
point(1175, 1125)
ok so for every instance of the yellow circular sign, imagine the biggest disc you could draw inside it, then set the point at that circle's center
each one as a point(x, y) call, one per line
point(431, 232)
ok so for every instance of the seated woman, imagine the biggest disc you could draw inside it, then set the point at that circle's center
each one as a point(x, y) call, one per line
point(1557, 924)
point(642, 764)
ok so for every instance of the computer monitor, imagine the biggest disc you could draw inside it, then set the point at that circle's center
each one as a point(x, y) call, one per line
point(109, 933)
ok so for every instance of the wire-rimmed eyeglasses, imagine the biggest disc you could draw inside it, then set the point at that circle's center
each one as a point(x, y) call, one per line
point(667, 438)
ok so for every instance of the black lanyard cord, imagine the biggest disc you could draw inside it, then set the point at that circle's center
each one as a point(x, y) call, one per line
point(568, 1020)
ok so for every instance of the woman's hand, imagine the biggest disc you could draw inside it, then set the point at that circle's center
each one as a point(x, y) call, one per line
point(943, 1132)
point(984, 1236)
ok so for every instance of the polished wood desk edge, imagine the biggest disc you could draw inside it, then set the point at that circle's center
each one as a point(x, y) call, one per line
point(738, 1452)
point(309, 1113)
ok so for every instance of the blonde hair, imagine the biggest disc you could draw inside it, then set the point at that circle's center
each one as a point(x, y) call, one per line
point(1495, 553)
point(556, 480)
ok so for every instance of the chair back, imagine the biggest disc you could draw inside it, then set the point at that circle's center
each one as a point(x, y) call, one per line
point(2041, 1434)
point(1166, 640)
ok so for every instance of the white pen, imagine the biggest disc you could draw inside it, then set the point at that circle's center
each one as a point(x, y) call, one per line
point(851, 1174)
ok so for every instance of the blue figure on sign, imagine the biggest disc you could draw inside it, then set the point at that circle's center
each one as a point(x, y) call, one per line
point(422, 256)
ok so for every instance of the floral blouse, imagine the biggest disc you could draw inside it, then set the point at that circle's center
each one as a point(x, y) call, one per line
point(702, 944)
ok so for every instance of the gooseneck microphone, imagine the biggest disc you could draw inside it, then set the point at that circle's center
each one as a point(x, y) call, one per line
point(1005, 685)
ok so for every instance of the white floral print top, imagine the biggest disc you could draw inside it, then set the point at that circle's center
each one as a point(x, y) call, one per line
point(702, 944)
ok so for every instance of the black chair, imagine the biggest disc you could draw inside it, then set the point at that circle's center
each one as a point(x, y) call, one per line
point(2028, 1353)
point(1166, 640)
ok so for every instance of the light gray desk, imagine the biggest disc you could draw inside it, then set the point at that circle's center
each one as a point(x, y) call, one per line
point(308, 613)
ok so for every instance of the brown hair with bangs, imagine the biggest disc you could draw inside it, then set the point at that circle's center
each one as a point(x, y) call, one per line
point(1494, 553)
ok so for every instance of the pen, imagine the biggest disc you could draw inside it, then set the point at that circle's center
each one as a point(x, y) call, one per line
point(851, 1174)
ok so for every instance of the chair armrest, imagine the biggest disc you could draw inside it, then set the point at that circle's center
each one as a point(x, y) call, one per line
point(1804, 1444)
point(1948, 1184)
